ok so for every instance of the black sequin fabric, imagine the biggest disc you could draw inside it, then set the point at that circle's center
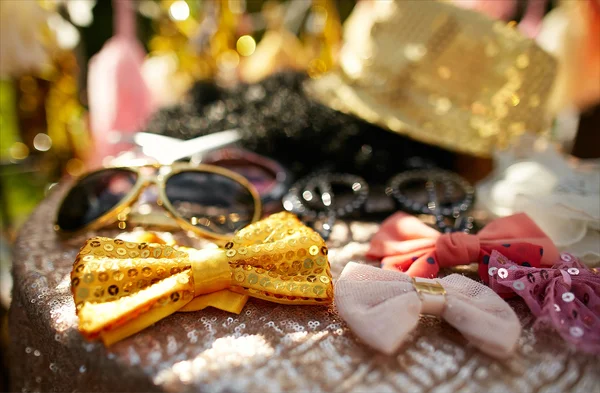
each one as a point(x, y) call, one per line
point(276, 118)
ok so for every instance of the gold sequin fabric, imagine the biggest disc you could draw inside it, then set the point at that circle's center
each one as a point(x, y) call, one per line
point(281, 260)
point(269, 347)
point(114, 281)
point(440, 74)
point(277, 259)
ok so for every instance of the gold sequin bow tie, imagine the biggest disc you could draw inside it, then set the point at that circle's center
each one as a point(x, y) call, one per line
point(121, 287)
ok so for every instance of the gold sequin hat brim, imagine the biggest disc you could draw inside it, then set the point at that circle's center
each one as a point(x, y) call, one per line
point(439, 74)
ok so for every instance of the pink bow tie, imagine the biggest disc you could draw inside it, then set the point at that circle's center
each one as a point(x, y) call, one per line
point(382, 307)
point(565, 296)
point(406, 244)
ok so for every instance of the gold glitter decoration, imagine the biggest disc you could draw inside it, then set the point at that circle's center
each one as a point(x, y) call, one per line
point(157, 283)
point(440, 74)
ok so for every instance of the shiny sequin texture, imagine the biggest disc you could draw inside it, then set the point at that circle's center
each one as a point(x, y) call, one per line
point(576, 331)
point(111, 287)
point(573, 271)
point(269, 347)
point(279, 259)
point(502, 273)
point(408, 72)
point(568, 297)
point(562, 298)
point(518, 285)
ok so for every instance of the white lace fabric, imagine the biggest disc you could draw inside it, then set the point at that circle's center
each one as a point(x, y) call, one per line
point(560, 194)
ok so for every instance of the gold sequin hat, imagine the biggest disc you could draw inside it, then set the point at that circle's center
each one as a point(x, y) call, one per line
point(439, 74)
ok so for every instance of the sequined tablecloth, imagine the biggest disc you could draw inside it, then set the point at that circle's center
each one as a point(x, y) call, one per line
point(267, 348)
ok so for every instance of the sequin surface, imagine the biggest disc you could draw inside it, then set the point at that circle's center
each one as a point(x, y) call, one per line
point(404, 67)
point(269, 347)
point(115, 282)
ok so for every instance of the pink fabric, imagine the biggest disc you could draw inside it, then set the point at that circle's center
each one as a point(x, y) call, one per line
point(382, 307)
point(565, 296)
point(404, 243)
point(118, 97)
point(506, 10)
point(531, 23)
point(497, 9)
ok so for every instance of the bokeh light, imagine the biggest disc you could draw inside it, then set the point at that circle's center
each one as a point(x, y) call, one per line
point(246, 45)
point(228, 60)
point(75, 167)
point(179, 10)
point(42, 142)
point(19, 151)
point(316, 68)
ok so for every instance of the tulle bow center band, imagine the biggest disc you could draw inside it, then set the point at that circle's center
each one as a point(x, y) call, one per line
point(382, 307)
point(432, 295)
point(122, 287)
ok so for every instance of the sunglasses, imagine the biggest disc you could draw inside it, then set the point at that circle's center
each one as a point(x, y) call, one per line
point(271, 179)
point(208, 200)
point(321, 198)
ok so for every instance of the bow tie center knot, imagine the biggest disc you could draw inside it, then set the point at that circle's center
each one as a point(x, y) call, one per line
point(457, 248)
point(432, 295)
point(210, 270)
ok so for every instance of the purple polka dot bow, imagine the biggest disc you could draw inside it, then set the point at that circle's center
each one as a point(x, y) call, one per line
point(565, 296)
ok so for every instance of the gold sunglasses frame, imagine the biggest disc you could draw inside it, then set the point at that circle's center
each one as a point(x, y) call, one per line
point(120, 212)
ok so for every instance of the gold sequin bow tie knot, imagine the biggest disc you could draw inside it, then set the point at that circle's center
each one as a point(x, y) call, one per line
point(121, 287)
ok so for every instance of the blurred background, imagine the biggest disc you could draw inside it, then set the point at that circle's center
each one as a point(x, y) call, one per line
point(51, 50)
point(47, 46)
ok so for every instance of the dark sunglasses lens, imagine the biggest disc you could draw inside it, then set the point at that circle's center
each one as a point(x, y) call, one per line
point(261, 178)
point(93, 196)
point(210, 201)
